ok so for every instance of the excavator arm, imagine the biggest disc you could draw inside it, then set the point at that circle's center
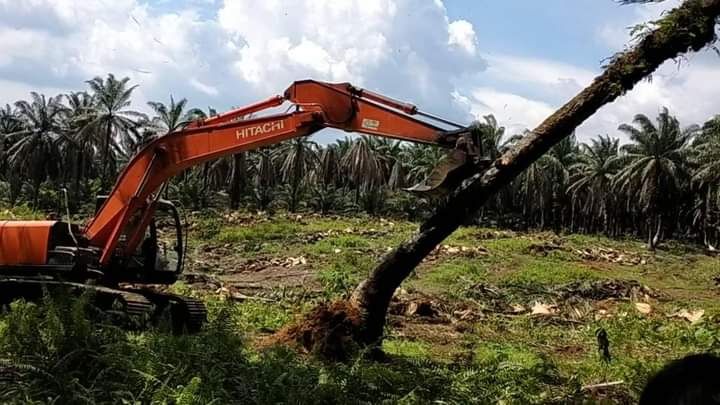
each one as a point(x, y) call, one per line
point(313, 106)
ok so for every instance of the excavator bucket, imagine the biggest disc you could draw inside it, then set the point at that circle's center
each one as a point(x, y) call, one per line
point(455, 167)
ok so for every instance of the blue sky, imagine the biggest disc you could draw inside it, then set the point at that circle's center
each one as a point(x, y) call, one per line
point(516, 59)
point(554, 29)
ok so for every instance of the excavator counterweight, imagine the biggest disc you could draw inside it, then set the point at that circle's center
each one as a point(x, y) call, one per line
point(135, 239)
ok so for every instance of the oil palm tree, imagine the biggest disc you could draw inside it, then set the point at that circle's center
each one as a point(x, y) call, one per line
point(490, 136)
point(264, 177)
point(326, 179)
point(707, 176)
point(421, 160)
point(78, 152)
point(592, 175)
point(171, 117)
point(112, 122)
point(36, 154)
point(9, 124)
point(655, 167)
point(296, 160)
point(557, 166)
point(363, 165)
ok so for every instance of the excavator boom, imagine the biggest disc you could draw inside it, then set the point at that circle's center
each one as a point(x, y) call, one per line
point(123, 244)
point(313, 106)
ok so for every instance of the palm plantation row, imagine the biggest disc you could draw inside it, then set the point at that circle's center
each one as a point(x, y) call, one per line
point(664, 183)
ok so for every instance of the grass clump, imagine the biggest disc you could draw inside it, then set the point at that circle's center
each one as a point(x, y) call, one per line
point(455, 274)
point(76, 360)
point(406, 348)
point(548, 272)
point(344, 273)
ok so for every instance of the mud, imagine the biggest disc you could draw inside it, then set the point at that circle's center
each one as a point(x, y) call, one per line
point(329, 331)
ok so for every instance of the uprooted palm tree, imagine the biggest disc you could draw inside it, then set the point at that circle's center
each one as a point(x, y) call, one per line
point(112, 123)
point(36, 156)
point(362, 317)
point(656, 168)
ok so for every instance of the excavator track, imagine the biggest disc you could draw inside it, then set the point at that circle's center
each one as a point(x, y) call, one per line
point(195, 313)
point(188, 314)
point(137, 305)
point(106, 298)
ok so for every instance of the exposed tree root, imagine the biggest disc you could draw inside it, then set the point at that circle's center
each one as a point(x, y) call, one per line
point(330, 331)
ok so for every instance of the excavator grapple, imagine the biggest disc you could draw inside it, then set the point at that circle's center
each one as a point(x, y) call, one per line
point(135, 241)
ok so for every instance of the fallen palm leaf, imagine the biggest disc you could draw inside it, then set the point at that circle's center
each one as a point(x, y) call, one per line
point(643, 308)
point(691, 316)
point(543, 309)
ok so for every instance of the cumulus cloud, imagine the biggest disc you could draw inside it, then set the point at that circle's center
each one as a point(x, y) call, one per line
point(462, 35)
point(525, 91)
point(616, 34)
point(513, 111)
point(243, 51)
point(224, 53)
point(405, 48)
point(690, 90)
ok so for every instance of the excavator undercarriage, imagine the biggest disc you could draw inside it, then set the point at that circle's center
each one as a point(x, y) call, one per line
point(130, 288)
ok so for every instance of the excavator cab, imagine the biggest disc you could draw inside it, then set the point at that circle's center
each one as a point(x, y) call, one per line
point(159, 259)
point(163, 249)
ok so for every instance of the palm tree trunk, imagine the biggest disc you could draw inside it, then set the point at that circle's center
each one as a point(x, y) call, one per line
point(658, 232)
point(372, 297)
point(106, 158)
point(706, 217)
point(237, 179)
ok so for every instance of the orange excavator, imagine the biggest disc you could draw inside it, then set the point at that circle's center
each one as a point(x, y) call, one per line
point(123, 250)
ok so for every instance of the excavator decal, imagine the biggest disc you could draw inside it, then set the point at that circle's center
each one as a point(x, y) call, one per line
point(259, 130)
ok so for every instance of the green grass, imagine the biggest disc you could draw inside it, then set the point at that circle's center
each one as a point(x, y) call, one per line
point(262, 232)
point(20, 212)
point(548, 271)
point(61, 356)
point(407, 348)
point(453, 275)
point(76, 361)
point(341, 275)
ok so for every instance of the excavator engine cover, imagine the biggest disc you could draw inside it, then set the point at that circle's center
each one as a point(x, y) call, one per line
point(24, 242)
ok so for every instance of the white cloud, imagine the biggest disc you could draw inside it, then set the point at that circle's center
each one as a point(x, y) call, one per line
point(205, 88)
point(525, 91)
point(690, 91)
point(250, 49)
point(245, 51)
point(616, 34)
point(462, 34)
point(537, 71)
point(513, 111)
